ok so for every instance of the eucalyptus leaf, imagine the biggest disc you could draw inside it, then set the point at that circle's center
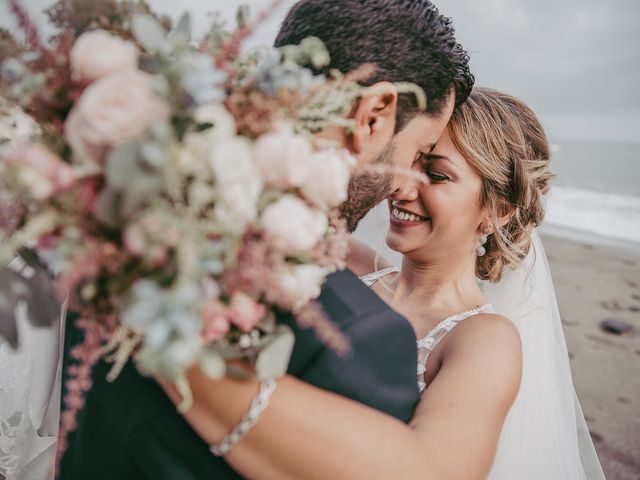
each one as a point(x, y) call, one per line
point(273, 359)
point(149, 33)
point(31, 258)
point(154, 155)
point(182, 31)
point(146, 186)
point(212, 364)
point(36, 291)
point(43, 306)
point(107, 207)
point(120, 165)
point(8, 326)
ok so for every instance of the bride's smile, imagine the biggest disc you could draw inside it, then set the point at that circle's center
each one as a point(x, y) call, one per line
point(403, 218)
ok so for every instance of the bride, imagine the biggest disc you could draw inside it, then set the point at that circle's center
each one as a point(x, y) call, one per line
point(498, 400)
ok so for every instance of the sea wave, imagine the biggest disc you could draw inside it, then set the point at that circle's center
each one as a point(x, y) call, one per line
point(607, 215)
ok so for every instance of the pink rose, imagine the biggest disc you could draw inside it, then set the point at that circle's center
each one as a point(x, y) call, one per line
point(41, 172)
point(98, 53)
point(111, 111)
point(216, 323)
point(245, 313)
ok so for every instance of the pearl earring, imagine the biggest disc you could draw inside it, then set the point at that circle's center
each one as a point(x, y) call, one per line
point(480, 250)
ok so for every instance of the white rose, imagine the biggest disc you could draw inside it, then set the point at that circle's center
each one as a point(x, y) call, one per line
point(111, 111)
point(292, 226)
point(283, 157)
point(238, 182)
point(236, 209)
point(224, 125)
point(98, 53)
point(198, 144)
point(39, 185)
point(329, 175)
point(299, 284)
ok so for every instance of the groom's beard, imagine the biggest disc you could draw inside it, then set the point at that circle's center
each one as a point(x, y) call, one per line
point(367, 189)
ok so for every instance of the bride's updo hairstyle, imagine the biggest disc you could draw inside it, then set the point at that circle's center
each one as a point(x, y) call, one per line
point(505, 144)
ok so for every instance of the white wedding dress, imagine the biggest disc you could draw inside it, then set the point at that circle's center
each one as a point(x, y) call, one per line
point(545, 435)
point(30, 399)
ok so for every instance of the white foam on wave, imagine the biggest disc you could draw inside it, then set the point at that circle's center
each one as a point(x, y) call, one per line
point(608, 215)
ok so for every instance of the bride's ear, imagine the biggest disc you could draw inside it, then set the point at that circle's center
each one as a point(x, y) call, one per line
point(375, 117)
point(497, 219)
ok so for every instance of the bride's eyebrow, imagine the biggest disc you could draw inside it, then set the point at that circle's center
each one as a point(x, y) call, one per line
point(434, 156)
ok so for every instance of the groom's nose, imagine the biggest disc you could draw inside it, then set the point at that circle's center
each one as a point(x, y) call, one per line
point(407, 190)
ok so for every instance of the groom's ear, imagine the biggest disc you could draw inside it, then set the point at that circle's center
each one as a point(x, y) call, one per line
point(375, 119)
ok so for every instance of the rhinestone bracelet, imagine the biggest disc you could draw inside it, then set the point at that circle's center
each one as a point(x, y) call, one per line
point(258, 405)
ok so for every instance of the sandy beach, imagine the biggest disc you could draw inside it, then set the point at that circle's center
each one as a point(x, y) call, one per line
point(594, 283)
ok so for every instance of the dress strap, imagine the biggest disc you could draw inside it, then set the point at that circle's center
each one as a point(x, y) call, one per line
point(428, 343)
point(371, 278)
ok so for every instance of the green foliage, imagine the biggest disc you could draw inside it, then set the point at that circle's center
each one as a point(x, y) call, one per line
point(113, 15)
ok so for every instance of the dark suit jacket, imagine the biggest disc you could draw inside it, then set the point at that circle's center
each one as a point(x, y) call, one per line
point(130, 430)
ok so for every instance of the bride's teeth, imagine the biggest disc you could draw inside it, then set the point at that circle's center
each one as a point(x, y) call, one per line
point(400, 215)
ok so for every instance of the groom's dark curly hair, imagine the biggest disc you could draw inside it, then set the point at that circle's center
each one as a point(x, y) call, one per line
point(408, 41)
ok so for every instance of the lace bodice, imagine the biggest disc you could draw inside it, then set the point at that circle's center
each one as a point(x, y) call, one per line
point(429, 342)
point(371, 278)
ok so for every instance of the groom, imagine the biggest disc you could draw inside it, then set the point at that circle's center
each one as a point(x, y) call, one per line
point(130, 429)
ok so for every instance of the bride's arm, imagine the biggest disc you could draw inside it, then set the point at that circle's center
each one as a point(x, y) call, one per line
point(311, 433)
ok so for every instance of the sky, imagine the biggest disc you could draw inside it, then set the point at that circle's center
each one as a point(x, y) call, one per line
point(576, 62)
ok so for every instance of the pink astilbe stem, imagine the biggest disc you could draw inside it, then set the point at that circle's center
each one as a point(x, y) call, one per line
point(232, 46)
point(78, 383)
point(311, 315)
point(29, 28)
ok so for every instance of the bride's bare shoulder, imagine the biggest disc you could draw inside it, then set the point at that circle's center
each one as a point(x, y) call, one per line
point(488, 330)
point(362, 258)
point(489, 341)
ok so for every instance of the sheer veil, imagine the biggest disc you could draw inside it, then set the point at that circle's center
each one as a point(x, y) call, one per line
point(545, 434)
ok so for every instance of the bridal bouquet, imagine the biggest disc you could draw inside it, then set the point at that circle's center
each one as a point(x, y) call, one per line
point(173, 189)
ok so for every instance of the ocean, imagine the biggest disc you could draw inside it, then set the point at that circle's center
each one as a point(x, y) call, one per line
point(594, 198)
point(596, 194)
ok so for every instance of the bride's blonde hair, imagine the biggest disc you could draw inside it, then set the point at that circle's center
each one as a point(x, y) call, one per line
point(505, 144)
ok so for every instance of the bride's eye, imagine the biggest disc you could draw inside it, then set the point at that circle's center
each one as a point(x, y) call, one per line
point(437, 177)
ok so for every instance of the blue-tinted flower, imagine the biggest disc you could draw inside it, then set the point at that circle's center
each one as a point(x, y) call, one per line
point(200, 78)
